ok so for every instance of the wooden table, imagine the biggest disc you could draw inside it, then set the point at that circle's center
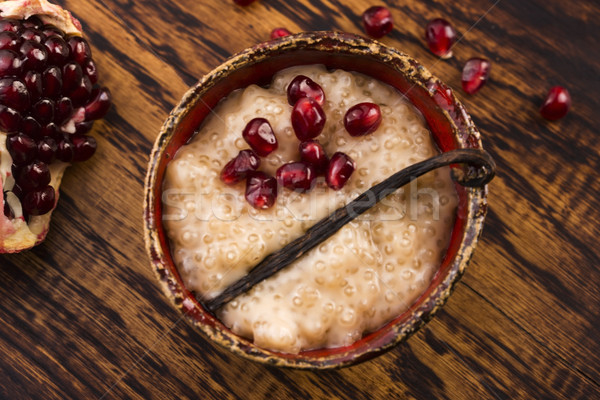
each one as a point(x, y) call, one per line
point(82, 316)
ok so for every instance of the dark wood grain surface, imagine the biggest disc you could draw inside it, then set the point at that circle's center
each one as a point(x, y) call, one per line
point(82, 317)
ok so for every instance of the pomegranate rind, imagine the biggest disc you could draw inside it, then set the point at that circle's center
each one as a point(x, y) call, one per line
point(49, 13)
point(17, 235)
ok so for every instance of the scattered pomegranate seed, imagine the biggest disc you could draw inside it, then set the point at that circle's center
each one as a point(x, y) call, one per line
point(308, 118)
point(340, 168)
point(475, 74)
point(279, 33)
point(303, 86)
point(312, 152)
point(261, 190)
point(259, 135)
point(238, 168)
point(299, 176)
point(377, 21)
point(39, 201)
point(362, 119)
point(557, 103)
point(440, 36)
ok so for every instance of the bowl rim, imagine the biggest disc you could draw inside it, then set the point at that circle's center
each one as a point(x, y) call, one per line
point(425, 307)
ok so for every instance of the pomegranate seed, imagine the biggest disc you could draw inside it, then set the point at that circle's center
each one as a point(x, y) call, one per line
point(65, 151)
point(84, 147)
point(80, 49)
point(259, 135)
point(14, 94)
point(340, 168)
point(35, 56)
point(279, 33)
point(31, 35)
point(31, 128)
point(10, 41)
point(46, 150)
point(33, 81)
point(557, 103)
point(362, 119)
point(21, 148)
point(39, 201)
point(33, 176)
point(50, 30)
point(51, 130)
point(10, 63)
point(303, 86)
point(9, 119)
point(377, 21)
point(10, 25)
point(83, 127)
point(238, 168)
point(43, 111)
point(58, 50)
point(243, 2)
point(52, 82)
point(64, 109)
point(33, 22)
point(475, 74)
point(299, 176)
point(261, 190)
point(440, 36)
point(312, 152)
point(71, 77)
point(308, 118)
point(82, 93)
point(89, 70)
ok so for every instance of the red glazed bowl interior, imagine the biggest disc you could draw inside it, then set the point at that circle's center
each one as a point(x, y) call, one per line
point(448, 121)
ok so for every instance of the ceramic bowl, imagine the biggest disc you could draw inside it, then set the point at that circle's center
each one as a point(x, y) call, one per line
point(448, 121)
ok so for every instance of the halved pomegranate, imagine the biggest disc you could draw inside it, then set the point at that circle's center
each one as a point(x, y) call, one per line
point(48, 102)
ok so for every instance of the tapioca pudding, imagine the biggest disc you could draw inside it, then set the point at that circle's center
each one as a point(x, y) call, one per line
point(370, 271)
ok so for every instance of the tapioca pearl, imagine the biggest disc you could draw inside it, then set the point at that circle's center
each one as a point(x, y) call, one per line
point(389, 267)
point(347, 316)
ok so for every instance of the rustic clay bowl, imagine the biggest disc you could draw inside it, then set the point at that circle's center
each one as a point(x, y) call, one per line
point(450, 125)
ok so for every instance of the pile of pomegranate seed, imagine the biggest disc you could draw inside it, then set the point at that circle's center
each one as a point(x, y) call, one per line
point(475, 74)
point(440, 37)
point(557, 103)
point(48, 102)
point(279, 33)
point(308, 119)
point(377, 21)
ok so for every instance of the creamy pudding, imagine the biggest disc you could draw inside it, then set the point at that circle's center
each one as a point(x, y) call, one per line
point(370, 271)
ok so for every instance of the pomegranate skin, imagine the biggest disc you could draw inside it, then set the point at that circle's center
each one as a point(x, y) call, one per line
point(261, 190)
point(340, 169)
point(362, 119)
point(557, 103)
point(440, 37)
point(377, 21)
point(475, 74)
point(308, 119)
